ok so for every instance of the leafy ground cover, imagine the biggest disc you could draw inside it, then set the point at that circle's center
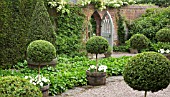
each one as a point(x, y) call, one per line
point(69, 72)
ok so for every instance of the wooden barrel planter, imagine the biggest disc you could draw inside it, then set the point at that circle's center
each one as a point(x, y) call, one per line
point(45, 90)
point(35, 65)
point(167, 55)
point(96, 78)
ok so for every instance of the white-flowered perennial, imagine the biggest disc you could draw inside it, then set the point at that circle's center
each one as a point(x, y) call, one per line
point(162, 51)
point(101, 68)
point(38, 81)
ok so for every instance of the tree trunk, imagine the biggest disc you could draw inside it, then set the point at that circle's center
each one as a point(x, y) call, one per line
point(96, 63)
point(145, 93)
point(39, 71)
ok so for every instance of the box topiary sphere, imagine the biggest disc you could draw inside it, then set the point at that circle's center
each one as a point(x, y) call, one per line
point(139, 41)
point(97, 45)
point(11, 86)
point(163, 35)
point(149, 71)
point(41, 51)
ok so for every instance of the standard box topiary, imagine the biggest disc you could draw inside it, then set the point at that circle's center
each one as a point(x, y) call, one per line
point(40, 51)
point(139, 41)
point(163, 35)
point(96, 45)
point(11, 86)
point(149, 71)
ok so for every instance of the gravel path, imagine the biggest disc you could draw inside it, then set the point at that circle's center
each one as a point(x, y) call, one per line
point(115, 87)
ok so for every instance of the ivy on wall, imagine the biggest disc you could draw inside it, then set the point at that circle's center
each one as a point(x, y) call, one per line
point(121, 28)
point(69, 31)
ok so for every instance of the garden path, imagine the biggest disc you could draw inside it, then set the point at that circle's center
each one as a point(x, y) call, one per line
point(115, 87)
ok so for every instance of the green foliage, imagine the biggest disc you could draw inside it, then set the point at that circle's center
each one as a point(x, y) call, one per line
point(139, 41)
point(69, 32)
point(69, 72)
point(41, 51)
point(115, 65)
point(151, 22)
point(41, 27)
point(121, 28)
point(97, 45)
point(147, 71)
point(14, 19)
point(121, 48)
point(160, 45)
point(163, 35)
point(11, 86)
point(162, 3)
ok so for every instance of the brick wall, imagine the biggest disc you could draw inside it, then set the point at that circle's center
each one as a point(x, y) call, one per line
point(129, 12)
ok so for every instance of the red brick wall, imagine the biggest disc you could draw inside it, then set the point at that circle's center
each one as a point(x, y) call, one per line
point(129, 12)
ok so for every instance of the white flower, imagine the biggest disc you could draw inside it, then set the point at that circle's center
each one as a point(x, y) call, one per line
point(102, 68)
point(31, 81)
point(39, 80)
point(34, 83)
point(167, 51)
point(26, 77)
point(92, 67)
point(162, 51)
point(44, 79)
point(41, 84)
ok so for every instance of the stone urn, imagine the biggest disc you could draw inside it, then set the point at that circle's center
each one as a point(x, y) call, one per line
point(45, 90)
point(35, 65)
point(96, 78)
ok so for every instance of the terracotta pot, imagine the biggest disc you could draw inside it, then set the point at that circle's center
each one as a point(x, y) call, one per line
point(96, 78)
point(45, 90)
point(167, 55)
point(35, 65)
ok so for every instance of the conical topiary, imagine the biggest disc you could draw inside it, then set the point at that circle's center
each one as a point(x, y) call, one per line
point(41, 27)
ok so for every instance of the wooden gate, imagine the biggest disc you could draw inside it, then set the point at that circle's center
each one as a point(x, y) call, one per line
point(107, 28)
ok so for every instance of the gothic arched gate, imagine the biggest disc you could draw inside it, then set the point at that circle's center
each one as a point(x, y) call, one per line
point(107, 28)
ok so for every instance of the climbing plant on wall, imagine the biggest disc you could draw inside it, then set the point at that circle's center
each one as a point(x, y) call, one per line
point(99, 4)
point(69, 31)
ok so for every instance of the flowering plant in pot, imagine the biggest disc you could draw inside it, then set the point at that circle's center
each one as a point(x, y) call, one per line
point(96, 75)
point(40, 81)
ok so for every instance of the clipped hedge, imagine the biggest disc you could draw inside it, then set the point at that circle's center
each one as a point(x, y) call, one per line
point(41, 51)
point(11, 86)
point(14, 19)
point(147, 71)
point(97, 45)
point(139, 41)
point(163, 35)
